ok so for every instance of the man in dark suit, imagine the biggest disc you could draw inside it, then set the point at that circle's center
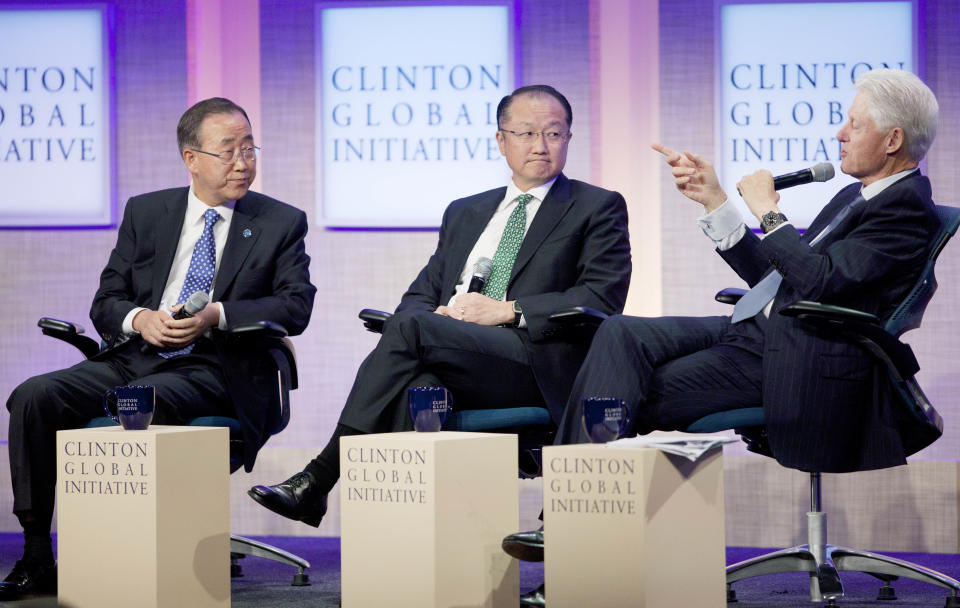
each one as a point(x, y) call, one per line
point(245, 249)
point(827, 404)
point(554, 243)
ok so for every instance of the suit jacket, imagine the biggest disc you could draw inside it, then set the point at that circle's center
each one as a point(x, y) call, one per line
point(263, 276)
point(575, 253)
point(828, 404)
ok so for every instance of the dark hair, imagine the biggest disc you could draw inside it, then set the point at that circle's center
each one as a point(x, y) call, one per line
point(534, 90)
point(188, 129)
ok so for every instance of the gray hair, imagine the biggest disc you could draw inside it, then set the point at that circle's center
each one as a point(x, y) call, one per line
point(899, 99)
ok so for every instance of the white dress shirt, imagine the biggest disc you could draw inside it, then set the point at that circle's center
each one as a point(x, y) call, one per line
point(189, 235)
point(486, 245)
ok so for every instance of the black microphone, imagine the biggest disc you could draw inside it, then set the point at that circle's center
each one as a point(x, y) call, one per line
point(481, 272)
point(193, 305)
point(820, 172)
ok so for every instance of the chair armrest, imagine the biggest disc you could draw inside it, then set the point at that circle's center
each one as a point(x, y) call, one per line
point(578, 315)
point(807, 310)
point(258, 331)
point(373, 320)
point(268, 336)
point(864, 328)
point(69, 333)
point(730, 295)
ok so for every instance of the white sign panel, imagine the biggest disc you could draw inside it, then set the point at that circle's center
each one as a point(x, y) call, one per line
point(406, 109)
point(786, 82)
point(55, 135)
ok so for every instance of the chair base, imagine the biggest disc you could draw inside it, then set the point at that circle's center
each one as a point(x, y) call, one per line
point(245, 546)
point(825, 584)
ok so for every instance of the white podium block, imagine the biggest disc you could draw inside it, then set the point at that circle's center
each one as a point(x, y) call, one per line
point(422, 518)
point(632, 527)
point(143, 517)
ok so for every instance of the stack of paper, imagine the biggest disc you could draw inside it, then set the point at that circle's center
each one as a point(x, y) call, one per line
point(688, 445)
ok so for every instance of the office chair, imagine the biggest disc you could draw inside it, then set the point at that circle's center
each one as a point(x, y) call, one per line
point(533, 425)
point(881, 339)
point(265, 336)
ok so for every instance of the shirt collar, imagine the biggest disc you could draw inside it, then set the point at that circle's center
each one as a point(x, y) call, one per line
point(868, 192)
point(539, 192)
point(196, 208)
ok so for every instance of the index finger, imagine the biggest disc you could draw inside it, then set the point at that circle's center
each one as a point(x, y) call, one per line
point(670, 153)
point(698, 160)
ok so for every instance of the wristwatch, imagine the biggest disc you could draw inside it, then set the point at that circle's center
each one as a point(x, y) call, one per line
point(517, 313)
point(771, 220)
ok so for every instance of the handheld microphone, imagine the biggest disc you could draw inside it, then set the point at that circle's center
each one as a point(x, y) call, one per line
point(820, 172)
point(481, 272)
point(193, 305)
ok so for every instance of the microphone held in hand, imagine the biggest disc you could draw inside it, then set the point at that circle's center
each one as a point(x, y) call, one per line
point(820, 172)
point(193, 305)
point(481, 272)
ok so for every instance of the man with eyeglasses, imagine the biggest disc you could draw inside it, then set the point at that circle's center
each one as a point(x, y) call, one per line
point(245, 250)
point(554, 243)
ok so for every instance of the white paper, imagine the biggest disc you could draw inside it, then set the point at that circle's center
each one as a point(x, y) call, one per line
point(691, 446)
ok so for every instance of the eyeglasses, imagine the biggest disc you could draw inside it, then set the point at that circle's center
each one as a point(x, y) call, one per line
point(551, 137)
point(249, 154)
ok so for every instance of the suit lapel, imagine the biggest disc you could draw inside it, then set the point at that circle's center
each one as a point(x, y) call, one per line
point(168, 236)
point(551, 211)
point(476, 218)
point(243, 234)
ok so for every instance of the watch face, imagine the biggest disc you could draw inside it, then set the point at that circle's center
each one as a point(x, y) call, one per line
point(771, 220)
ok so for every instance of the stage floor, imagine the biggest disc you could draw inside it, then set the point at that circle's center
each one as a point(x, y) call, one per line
point(266, 583)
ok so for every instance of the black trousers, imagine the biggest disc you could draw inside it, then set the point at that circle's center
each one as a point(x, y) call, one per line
point(483, 367)
point(671, 371)
point(186, 387)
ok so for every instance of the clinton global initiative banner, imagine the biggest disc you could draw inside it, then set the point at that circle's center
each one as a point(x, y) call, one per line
point(406, 109)
point(786, 82)
point(55, 135)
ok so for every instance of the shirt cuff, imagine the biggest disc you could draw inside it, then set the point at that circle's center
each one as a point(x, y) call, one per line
point(723, 225)
point(222, 323)
point(127, 326)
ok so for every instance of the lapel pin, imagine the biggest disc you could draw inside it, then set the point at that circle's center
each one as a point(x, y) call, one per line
point(247, 233)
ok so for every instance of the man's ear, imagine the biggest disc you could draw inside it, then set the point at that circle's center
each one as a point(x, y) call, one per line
point(190, 159)
point(894, 141)
point(501, 143)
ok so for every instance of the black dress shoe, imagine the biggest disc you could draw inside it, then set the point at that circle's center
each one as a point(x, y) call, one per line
point(534, 599)
point(525, 546)
point(297, 498)
point(30, 577)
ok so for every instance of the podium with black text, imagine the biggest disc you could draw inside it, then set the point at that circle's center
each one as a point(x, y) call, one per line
point(631, 526)
point(143, 517)
point(422, 518)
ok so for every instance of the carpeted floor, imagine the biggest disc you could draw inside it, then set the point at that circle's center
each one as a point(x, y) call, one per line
point(266, 584)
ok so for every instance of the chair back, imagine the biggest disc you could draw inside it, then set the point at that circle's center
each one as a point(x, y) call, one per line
point(909, 313)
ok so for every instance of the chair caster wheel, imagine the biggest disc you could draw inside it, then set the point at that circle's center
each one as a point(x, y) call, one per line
point(236, 570)
point(300, 579)
point(731, 596)
point(953, 601)
point(886, 593)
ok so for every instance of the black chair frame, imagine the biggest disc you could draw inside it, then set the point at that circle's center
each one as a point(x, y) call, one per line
point(266, 336)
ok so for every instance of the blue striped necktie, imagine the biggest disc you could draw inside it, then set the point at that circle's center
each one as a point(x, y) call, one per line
point(763, 292)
